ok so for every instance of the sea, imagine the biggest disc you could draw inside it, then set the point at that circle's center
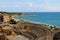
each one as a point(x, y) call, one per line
point(48, 18)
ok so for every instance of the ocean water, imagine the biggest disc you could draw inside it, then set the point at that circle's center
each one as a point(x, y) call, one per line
point(51, 18)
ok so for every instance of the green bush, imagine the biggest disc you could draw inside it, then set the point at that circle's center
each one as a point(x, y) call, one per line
point(12, 21)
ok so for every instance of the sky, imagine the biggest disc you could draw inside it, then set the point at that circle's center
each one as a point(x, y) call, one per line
point(30, 5)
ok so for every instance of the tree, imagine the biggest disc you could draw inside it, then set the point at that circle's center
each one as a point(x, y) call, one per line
point(12, 21)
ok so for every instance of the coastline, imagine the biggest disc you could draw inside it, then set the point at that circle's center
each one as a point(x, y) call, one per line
point(39, 23)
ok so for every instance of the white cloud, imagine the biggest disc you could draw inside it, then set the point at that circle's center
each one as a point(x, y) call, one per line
point(53, 7)
point(30, 4)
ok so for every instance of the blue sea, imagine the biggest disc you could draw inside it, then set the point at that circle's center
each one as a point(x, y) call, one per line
point(51, 18)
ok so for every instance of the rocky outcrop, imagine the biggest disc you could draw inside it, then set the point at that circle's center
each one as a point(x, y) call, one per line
point(29, 30)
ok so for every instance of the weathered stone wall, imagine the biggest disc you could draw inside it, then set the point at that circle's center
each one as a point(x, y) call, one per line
point(6, 17)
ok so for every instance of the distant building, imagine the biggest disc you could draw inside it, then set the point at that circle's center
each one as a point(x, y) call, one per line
point(1, 18)
point(4, 17)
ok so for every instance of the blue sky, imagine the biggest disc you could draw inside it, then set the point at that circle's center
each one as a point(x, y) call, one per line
point(30, 5)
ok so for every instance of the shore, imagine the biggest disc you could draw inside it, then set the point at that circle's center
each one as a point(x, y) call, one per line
point(39, 23)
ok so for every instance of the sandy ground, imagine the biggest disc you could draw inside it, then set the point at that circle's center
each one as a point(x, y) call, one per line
point(20, 37)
